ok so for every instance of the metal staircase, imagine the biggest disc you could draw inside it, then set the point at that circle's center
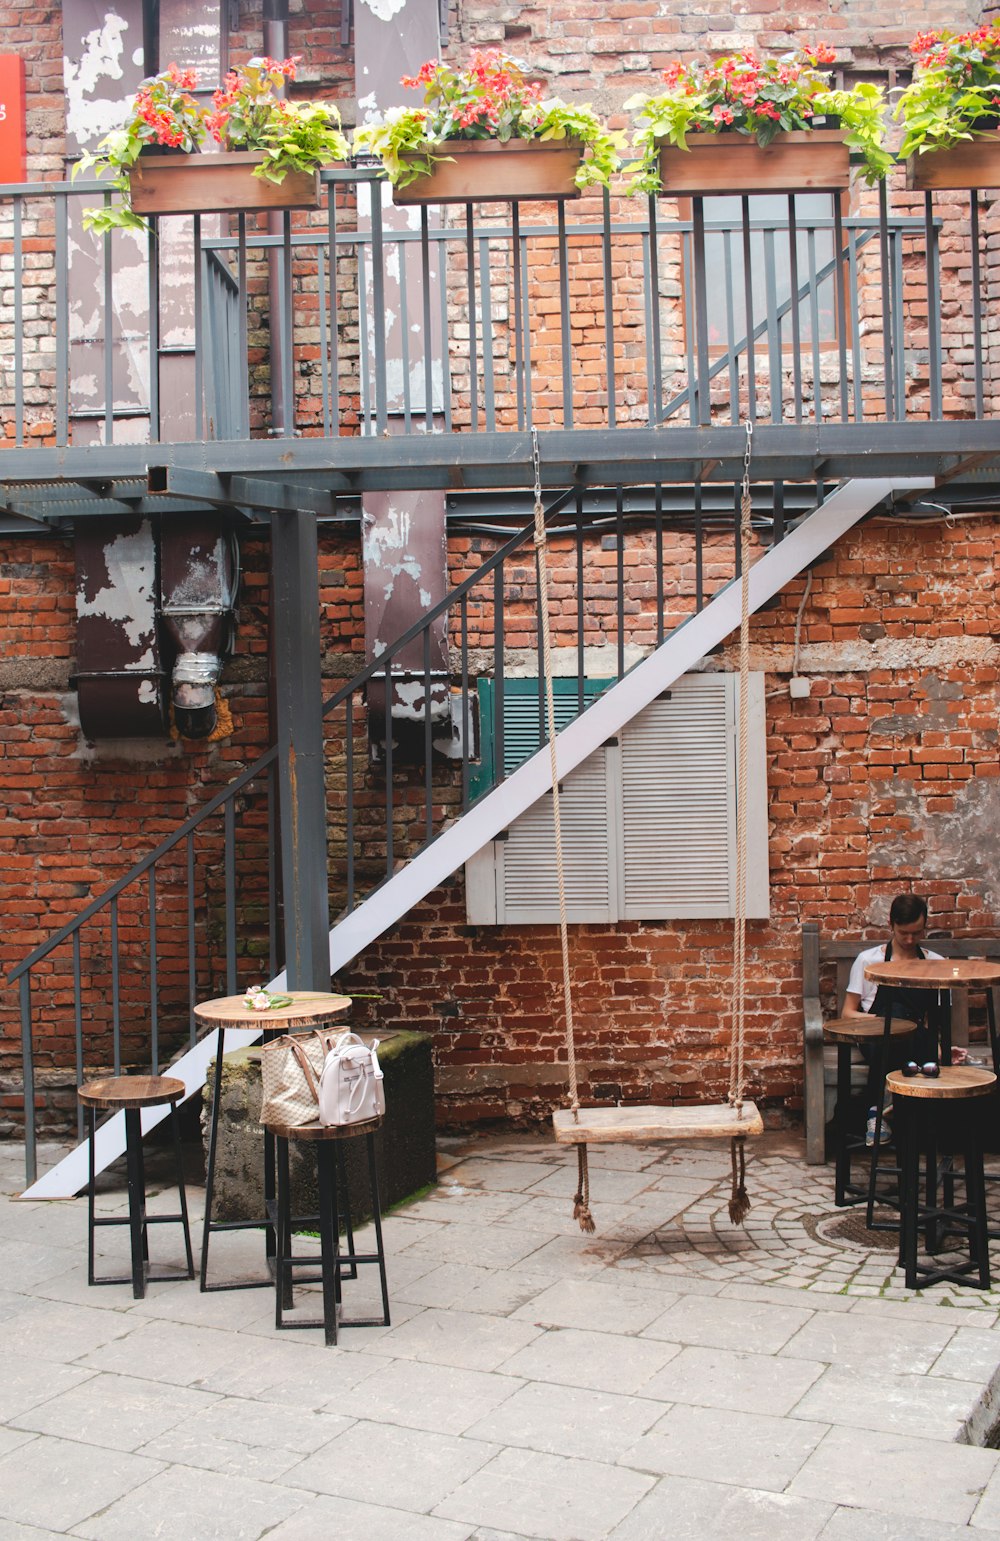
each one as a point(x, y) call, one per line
point(446, 849)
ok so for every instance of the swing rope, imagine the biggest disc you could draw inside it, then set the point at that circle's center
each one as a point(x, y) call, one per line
point(581, 1202)
point(739, 1203)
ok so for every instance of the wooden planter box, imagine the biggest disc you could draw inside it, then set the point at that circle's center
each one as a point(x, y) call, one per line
point(209, 184)
point(813, 160)
point(484, 171)
point(976, 163)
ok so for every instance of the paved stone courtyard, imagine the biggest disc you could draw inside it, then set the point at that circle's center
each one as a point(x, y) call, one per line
point(670, 1376)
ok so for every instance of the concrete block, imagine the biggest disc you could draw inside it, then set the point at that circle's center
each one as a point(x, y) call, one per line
point(404, 1146)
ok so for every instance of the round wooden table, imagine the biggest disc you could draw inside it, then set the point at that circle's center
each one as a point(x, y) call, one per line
point(307, 1008)
point(942, 975)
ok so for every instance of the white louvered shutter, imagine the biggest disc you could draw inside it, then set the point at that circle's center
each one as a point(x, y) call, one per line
point(648, 822)
point(678, 803)
point(527, 889)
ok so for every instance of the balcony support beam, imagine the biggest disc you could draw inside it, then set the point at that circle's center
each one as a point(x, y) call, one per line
point(298, 710)
point(305, 473)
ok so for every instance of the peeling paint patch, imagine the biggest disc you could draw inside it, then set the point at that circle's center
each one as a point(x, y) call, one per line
point(384, 10)
point(390, 534)
point(410, 701)
point(87, 117)
point(131, 575)
point(950, 846)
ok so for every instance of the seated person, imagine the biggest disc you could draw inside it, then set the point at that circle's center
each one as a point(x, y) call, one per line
point(907, 926)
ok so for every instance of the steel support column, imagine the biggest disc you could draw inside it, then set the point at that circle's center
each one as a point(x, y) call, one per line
point(299, 727)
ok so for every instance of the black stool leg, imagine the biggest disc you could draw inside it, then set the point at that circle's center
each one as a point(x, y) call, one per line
point(141, 1162)
point(909, 1161)
point(975, 1196)
point(879, 1084)
point(329, 1229)
point(351, 1269)
point(270, 1238)
point(842, 1169)
point(213, 1136)
point(136, 1199)
point(377, 1220)
point(182, 1192)
point(91, 1184)
point(283, 1236)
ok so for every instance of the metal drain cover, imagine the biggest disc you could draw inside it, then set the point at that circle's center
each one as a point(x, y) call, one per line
point(847, 1228)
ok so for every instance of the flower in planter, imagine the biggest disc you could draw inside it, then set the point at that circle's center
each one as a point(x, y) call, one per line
point(759, 98)
point(955, 91)
point(246, 114)
point(491, 99)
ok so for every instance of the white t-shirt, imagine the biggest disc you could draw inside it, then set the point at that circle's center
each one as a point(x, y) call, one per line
point(866, 988)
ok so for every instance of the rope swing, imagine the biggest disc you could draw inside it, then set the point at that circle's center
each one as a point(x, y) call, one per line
point(737, 1118)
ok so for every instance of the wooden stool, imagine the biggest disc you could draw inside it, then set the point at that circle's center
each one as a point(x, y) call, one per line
point(131, 1093)
point(920, 1103)
point(335, 1265)
point(850, 1033)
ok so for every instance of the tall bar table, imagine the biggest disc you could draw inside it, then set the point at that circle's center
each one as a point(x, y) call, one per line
point(308, 1009)
point(942, 976)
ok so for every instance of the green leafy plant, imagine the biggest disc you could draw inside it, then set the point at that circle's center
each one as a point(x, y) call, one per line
point(491, 99)
point(246, 114)
point(955, 91)
point(759, 98)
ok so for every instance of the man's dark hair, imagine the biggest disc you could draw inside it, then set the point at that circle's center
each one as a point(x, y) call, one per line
point(906, 908)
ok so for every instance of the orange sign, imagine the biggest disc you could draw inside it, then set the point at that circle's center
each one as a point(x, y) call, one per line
point(12, 130)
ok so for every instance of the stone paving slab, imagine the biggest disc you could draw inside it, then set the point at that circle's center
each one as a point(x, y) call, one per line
point(897, 1474)
point(668, 1376)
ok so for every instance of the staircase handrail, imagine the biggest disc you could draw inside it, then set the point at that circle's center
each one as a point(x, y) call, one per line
point(230, 790)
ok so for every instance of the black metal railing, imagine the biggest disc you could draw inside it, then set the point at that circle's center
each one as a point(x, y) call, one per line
point(199, 915)
point(624, 314)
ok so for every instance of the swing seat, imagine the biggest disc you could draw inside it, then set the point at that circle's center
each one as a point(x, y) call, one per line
point(637, 1125)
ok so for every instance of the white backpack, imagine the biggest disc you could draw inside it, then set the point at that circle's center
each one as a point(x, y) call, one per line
point(350, 1085)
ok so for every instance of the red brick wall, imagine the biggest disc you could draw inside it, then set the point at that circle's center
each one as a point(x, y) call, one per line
point(885, 778)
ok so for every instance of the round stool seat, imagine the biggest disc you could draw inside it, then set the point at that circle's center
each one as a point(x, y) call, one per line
point(126, 1096)
point(858, 1030)
point(954, 1081)
point(324, 1131)
point(131, 1091)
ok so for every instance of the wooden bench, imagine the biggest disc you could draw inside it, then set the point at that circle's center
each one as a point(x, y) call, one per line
point(826, 965)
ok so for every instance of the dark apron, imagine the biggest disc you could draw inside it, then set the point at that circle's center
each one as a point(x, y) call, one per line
point(905, 1004)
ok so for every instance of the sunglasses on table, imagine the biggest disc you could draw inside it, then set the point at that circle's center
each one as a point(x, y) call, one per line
point(930, 1068)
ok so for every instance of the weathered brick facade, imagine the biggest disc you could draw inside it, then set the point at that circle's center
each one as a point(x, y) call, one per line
point(886, 777)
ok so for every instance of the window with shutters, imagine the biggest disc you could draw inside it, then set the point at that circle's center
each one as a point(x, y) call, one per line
point(648, 821)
